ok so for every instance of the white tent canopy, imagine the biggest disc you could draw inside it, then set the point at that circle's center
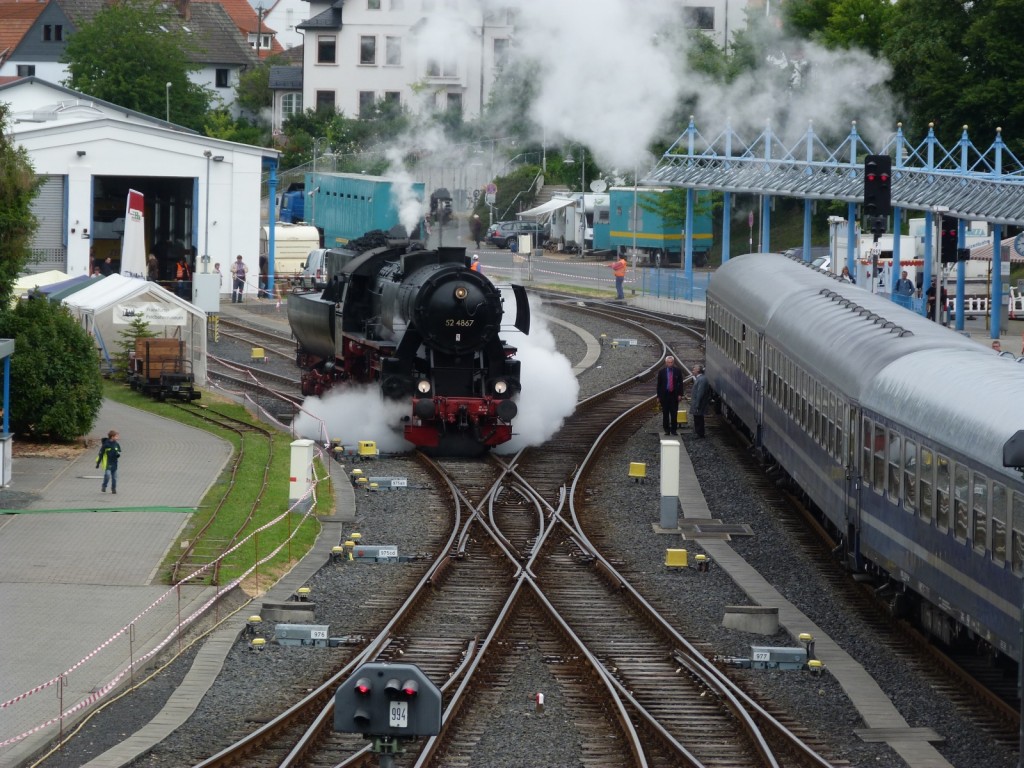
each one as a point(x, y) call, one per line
point(27, 283)
point(108, 307)
point(546, 209)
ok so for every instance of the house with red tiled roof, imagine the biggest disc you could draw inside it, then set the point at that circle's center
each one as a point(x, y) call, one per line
point(33, 36)
point(285, 16)
point(253, 26)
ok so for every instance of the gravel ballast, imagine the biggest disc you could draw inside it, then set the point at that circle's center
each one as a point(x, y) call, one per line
point(251, 685)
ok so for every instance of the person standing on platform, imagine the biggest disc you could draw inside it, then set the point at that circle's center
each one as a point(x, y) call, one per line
point(845, 276)
point(618, 268)
point(110, 452)
point(264, 277)
point(904, 286)
point(152, 268)
point(476, 229)
point(670, 390)
point(182, 276)
point(238, 270)
point(700, 396)
point(474, 264)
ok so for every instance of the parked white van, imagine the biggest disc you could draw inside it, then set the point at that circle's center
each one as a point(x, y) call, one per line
point(292, 244)
point(314, 270)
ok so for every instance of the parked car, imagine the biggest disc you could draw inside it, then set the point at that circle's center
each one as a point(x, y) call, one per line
point(504, 233)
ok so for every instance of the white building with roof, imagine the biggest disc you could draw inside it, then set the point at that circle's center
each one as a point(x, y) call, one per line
point(202, 195)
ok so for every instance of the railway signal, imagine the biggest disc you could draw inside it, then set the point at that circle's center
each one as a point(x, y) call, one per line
point(948, 236)
point(877, 185)
point(388, 703)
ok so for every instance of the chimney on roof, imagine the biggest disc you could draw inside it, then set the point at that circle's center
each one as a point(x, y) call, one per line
point(184, 9)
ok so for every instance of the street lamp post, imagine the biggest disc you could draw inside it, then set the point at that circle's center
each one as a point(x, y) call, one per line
point(167, 91)
point(583, 194)
point(206, 237)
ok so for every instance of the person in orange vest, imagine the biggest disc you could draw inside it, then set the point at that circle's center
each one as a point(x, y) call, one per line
point(474, 264)
point(182, 275)
point(618, 268)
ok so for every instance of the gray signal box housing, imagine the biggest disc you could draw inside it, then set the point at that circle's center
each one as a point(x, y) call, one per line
point(381, 712)
point(766, 657)
point(302, 634)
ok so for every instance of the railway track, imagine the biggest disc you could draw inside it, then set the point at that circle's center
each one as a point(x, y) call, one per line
point(986, 694)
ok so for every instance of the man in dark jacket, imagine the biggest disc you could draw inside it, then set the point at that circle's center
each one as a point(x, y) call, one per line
point(670, 389)
point(700, 397)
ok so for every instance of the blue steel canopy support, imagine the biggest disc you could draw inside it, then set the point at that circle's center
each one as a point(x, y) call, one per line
point(271, 165)
point(726, 225)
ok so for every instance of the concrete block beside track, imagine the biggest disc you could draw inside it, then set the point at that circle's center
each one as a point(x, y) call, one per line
point(759, 619)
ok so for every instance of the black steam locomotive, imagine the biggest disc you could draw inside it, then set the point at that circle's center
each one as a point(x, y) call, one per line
point(423, 327)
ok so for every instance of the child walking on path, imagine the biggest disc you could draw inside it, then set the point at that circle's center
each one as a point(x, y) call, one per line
point(110, 452)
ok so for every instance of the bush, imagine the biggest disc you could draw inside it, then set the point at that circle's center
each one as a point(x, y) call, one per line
point(56, 388)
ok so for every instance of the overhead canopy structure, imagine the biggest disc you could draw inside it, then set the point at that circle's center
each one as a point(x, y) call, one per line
point(546, 209)
point(59, 291)
point(107, 307)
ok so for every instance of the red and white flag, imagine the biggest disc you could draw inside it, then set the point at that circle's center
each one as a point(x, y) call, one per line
point(133, 242)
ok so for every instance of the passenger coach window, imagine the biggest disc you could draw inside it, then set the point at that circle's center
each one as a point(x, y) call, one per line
point(910, 478)
point(866, 459)
point(942, 493)
point(980, 509)
point(998, 522)
point(926, 474)
point(961, 498)
point(1017, 534)
point(895, 446)
point(878, 469)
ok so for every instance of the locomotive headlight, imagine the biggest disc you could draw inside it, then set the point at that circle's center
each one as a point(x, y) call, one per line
point(500, 387)
point(423, 386)
point(461, 292)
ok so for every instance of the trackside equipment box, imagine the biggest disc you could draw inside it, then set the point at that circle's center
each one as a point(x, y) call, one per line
point(302, 634)
point(765, 657)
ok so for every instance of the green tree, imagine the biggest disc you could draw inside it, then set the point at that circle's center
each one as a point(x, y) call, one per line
point(128, 52)
point(18, 186)
point(253, 89)
point(137, 329)
point(56, 389)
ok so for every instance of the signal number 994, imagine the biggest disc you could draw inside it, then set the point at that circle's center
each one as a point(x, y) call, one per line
point(453, 323)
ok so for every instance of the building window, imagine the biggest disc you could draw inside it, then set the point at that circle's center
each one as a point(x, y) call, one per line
point(26, 70)
point(326, 49)
point(325, 101)
point(367, 101)
point(437, 68)
point(291, 104)
point(393, 98)
point(454, 102)
point(393, 51)
point(263, 38)
point(500, 52)
point(367, 49)
point(699, 18)
point(53, 33)
point(222, 78)
point(373, 5)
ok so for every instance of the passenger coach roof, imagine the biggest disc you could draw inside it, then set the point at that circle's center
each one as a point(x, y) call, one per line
point(972, 400)
point(842, 333)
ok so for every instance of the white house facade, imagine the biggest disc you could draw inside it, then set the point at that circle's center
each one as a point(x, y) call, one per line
point(422, 54)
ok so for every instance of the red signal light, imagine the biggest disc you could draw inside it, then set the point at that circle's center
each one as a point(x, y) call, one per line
point(363, 687)
point(410, 688)
point(885, 178)
point(871, 177)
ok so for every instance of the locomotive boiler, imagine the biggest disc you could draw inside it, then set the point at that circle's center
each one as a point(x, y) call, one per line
point(424, 328)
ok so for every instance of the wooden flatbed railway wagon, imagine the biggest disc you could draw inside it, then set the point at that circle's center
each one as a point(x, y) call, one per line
point(160, 368)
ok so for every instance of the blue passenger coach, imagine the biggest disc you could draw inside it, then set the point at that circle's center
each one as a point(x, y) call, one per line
point(892, 425)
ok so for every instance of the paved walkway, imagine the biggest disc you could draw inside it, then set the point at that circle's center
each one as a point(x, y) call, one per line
point(77, 565)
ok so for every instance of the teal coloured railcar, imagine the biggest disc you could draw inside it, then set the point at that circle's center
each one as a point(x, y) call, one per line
point(651, 234)
point(345, 206)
